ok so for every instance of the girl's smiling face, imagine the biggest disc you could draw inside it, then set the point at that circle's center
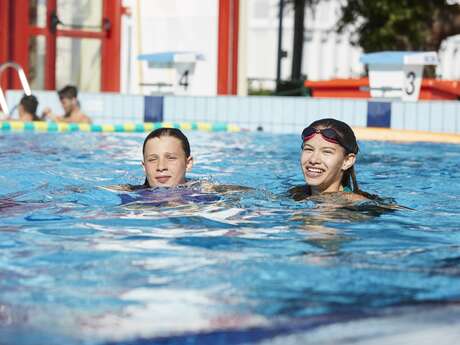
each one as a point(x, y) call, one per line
point(165, 162)
point(323, 164)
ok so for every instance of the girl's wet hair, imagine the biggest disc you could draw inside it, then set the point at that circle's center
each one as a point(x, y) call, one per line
point(348, 137)
point(169, 132)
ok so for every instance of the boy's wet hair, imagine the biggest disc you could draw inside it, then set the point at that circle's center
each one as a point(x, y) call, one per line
point(29, 104)
point(169, 132)
point(68, 91)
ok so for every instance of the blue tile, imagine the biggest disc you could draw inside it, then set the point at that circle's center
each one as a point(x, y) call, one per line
point(199, 108)
point(360, 107)
point(457, 117)
point(255, 109)
point(233, 111)
point(378, 114)
point(397, 115)
point(169, 108)
point(190, 108)
point(289, 110)
point(300, 109)
point(266, 114)
point(423, 115)
point(436, 116)
point(410, 115)
point(313, 111)
point(278, 113)
point(222, 110)
point(243, 108)
point(325, 108)
point(336, 109)
point(183, 113)
point(348, 111)
point(449, 117)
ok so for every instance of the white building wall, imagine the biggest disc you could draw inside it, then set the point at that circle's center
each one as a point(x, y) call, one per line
point(326, 54)
point(192, 25)
point(449, 56)
point(174, 25)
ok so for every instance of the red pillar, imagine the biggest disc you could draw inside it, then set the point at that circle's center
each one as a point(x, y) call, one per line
point(50, 55)
point(20, 38)
point(5, 34)
point(227, 70)
point(111, 47)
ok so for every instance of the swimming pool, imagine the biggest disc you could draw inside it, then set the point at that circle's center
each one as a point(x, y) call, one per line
point(78, 266)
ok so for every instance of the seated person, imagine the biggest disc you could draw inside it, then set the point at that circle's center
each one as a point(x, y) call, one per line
point(70, 104)
point(327, 159)
point(27, 108)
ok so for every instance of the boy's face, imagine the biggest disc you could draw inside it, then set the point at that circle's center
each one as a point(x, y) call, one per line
point(23, 115)
point(68, 104)
point(165, 162)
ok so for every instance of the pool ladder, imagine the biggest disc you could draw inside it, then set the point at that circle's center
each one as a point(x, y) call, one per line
point(22, 78)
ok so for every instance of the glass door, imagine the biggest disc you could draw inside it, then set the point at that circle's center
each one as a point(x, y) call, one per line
point(69, 42)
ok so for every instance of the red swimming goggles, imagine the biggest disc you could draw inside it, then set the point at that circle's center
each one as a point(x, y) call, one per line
point(328, 134)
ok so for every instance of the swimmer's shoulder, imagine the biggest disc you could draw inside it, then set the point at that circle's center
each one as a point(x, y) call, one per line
point(354, 197)
point(299, 193)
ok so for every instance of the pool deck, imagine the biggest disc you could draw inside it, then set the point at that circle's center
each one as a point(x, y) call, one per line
point(385, 134)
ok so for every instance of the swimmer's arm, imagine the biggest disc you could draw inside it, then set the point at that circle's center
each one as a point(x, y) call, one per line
point(85, 119)
point(118, 188)
point(298, 193)
point(49, 115)
point(224, 188)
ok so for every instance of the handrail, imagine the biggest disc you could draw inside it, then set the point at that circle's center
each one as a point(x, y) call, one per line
point(22, 79)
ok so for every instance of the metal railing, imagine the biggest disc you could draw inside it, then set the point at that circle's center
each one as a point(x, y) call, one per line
point(22, 79)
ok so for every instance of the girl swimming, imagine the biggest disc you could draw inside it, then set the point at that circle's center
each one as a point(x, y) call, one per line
point(327, 159)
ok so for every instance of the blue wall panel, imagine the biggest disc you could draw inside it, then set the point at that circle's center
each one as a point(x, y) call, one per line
point(153, 108)
point(379, 114)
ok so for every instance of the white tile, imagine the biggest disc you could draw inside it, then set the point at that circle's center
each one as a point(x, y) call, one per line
point(423, 116)
point(436, 116)
point(278, 110)
point(222, 110)
point(360, 112)
point(397, 115)
point(410, 115)
point(449, 117)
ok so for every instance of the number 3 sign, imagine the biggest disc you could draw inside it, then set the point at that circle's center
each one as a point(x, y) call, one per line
point(412, 82)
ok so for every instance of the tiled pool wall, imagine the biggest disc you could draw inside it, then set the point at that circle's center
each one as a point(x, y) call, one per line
point(272, 114)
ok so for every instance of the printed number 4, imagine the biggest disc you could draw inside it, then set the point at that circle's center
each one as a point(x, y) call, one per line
point(183, 81)
point(410, 83)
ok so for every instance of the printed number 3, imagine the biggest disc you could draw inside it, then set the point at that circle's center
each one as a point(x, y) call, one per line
point(410, 83)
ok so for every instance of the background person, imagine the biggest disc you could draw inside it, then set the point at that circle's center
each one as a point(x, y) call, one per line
point(69, 101)
point(27, 108)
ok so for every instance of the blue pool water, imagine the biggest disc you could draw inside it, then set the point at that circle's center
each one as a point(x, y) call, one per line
point(79, 266)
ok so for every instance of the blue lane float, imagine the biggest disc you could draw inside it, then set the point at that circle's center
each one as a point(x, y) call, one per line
point(41, 126)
